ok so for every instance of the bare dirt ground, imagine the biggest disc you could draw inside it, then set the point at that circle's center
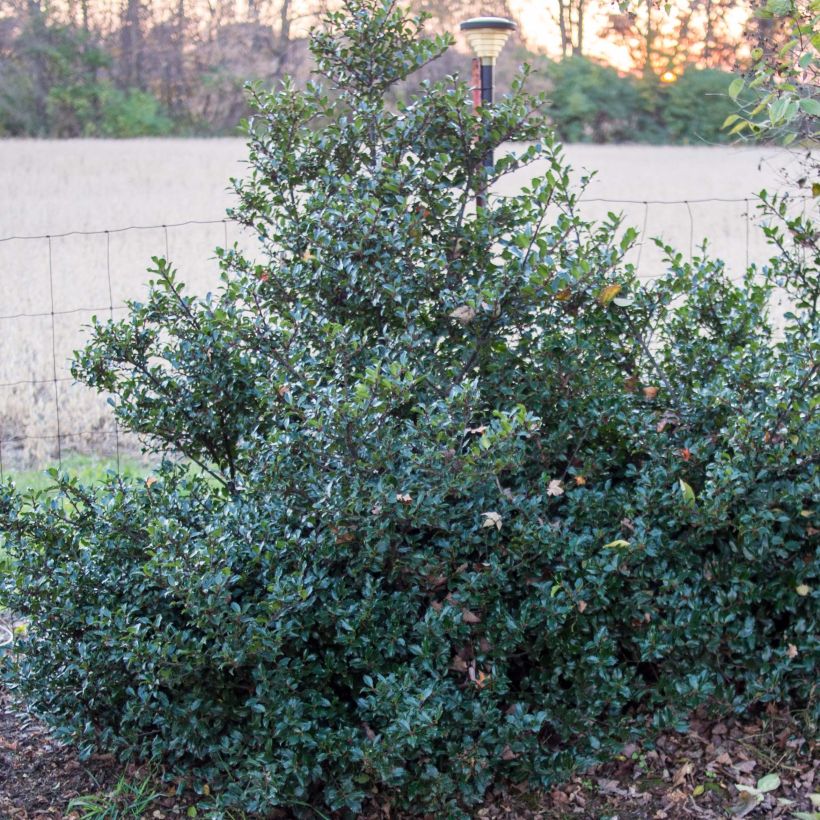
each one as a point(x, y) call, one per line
point(51, 286)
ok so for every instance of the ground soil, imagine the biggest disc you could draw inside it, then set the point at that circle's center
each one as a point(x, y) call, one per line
point(680, 775)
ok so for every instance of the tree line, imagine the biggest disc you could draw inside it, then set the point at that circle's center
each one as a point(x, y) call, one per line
point(156, 67)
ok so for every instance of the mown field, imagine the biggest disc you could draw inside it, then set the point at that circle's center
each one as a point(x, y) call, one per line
point(51, 287)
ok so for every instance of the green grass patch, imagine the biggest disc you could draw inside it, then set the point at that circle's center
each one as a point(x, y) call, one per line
point(89, 469)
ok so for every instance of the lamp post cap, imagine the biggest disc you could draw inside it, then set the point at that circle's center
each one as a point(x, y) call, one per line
point(500, 23)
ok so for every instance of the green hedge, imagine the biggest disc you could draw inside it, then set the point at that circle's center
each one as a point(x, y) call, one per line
point(474, 504)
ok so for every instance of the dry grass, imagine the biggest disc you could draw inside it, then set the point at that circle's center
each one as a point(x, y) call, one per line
point(58, 187)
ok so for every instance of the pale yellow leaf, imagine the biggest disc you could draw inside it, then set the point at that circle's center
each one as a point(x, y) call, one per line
point(608, 293)
point(491, 519)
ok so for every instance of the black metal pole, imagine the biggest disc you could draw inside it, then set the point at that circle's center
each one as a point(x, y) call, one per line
point(486, 97)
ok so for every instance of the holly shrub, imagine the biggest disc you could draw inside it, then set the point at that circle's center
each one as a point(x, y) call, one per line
point(463, 502)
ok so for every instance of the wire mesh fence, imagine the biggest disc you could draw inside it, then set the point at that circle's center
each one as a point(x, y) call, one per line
point(53, 284)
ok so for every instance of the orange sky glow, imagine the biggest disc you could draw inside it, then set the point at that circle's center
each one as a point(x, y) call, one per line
point(537, 24)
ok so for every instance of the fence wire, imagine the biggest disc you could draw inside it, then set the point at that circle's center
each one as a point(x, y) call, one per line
point(43, 427)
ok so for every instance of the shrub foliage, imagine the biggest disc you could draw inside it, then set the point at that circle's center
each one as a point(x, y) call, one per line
point(473, 505)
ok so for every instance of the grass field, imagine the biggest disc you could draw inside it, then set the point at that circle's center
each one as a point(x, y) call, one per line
point(89, 469)
point(51, 287)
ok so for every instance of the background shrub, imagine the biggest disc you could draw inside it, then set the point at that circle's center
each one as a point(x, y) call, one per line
point(472, 504)
point(590, 102)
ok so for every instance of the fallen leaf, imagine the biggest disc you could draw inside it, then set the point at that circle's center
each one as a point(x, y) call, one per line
point(404, 498)
point(580, 481)
point(650, 392)
point(508, 754)
point(607, 294)
point(463, 314)
point(458, 664)
point(582, 605)
point(669, 418)
point(564, 294)
point(480, 680)
point(682, 773)
point(470, 617)
point(749, 799)
point(150, 481)
point(769, 782)
point(491, 519)
point(555, 488)
point(792, 651)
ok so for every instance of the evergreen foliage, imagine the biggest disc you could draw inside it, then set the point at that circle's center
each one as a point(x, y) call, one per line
point(474, 505)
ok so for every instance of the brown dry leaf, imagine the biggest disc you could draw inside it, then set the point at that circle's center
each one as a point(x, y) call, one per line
point(555, 488)
point(682, 773)
point(580, 480)
point(470, 617)
point(558, 796)
point(458, 664)
point(508, 754)
point(745, 766)
point(582, 605)
point(463, 314)
point(491, 519)
point(150, 481)
point(482, 428)
point(631, 384)
point(650, 392)
point(564, 294)
point(668, 418)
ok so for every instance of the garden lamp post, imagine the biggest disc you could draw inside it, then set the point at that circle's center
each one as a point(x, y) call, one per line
point(486, 36)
